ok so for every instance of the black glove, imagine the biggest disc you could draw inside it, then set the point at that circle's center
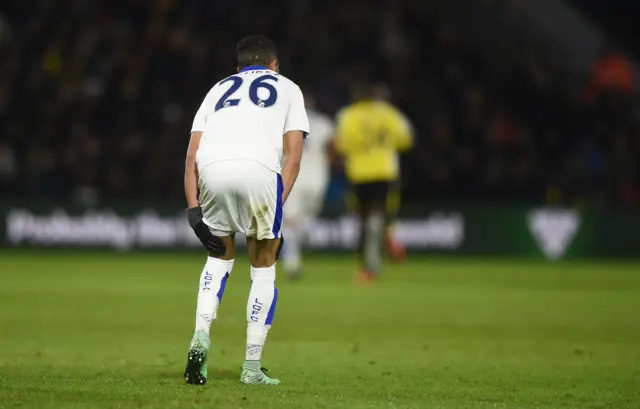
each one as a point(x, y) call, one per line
point(211, 243)
point(279, 247)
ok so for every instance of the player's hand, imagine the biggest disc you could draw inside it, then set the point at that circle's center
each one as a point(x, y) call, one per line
point(211, 243)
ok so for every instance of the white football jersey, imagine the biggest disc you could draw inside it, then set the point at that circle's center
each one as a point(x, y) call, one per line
point(314, 169)
point(245, 115)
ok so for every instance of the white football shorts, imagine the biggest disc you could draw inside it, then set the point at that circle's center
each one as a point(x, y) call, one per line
point(241, 196)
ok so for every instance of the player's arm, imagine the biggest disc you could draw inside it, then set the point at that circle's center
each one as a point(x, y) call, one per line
point(402, 130)
point(191, 170)
point(347, 139)
point(292, 149)
point(340, 144)
point(211, 243)
point(190, 166)
point(296, 129)
point(330, 150)
point(332, 154)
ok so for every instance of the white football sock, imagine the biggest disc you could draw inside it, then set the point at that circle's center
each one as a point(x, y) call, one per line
point(261, 307)
point(212, 284)
point(373, 242)
point(292, 249)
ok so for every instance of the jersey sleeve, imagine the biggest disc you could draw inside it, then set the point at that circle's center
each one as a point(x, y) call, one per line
point(200, 120)
point(297, 119)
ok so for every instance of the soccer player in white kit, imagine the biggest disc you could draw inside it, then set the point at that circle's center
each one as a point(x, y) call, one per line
point(242, 162)
point(306, 198)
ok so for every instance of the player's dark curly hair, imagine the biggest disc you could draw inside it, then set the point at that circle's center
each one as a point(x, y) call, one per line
point(256, 50)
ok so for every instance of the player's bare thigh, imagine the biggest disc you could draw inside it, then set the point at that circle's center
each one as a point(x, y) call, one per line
point(262, 253)
point(230, 248)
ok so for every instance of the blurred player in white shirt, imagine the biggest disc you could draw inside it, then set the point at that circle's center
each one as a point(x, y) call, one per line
point(307, 196)
point(242, 162)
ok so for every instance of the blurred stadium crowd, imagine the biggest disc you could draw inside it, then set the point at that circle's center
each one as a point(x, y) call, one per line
point(99, 97)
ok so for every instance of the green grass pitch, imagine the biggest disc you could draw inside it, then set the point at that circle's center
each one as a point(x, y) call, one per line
point(101, 330)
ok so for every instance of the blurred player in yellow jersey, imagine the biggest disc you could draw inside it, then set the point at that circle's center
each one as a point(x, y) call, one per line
point(394, 248)
point(369, 135)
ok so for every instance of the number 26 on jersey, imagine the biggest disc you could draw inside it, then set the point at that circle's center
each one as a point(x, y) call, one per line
point(227, 101)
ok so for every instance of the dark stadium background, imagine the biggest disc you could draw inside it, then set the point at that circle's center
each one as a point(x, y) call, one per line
point(99, 96)
point(520, 206)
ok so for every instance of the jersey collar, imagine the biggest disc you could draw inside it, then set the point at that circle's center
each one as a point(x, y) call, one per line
point(253, 68)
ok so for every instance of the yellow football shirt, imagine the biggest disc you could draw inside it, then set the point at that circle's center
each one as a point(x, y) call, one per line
point(370, 134)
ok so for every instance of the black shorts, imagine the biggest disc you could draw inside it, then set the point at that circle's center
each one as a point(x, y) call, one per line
point(372, 195)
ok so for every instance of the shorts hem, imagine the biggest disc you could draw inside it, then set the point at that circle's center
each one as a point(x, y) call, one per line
point(267, 237)
point(218, 231)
